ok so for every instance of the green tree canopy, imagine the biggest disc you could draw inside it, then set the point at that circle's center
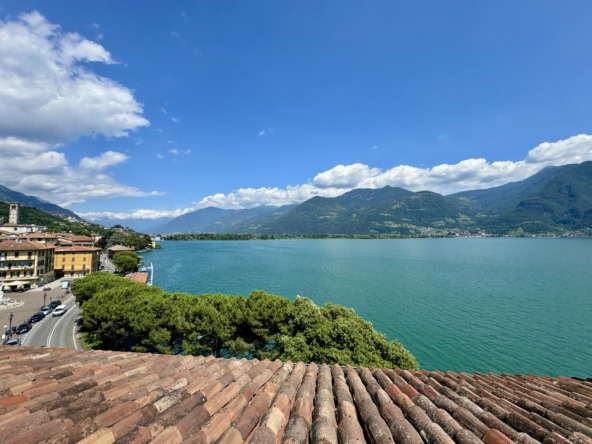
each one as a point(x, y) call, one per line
point(126, 261)
point(124, 315)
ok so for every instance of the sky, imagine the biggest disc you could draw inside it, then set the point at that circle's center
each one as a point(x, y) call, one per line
point(113, 109)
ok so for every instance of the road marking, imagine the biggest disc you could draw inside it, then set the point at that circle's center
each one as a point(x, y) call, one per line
point(74, 337)
point(55, 326)
point(52, 332)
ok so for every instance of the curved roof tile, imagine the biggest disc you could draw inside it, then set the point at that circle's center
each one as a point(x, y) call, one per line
point(86, 396)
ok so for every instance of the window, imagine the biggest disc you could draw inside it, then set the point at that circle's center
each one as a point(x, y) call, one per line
point(72, 268)
point(84, 266)
point(16, 254)
point(2, 254)
point(63, 258)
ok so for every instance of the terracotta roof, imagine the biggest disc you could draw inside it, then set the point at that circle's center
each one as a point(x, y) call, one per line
point(23, 245)
point(67, 395)
point(74, 248)
point(121, 248)
point(76, 237)
point(138, 276)
point(39, 235)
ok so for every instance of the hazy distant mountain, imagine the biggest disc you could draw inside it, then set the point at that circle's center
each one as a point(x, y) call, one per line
point(140, 225)
point(214, 220)
point(8, 195)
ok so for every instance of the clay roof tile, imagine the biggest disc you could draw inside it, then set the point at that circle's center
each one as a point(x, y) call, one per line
point(101, 396)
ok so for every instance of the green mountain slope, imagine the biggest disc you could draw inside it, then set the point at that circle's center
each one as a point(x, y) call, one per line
point(389, 211)
point(8, 195)
point(563, 203)
point(503, 198)
point(555, 200)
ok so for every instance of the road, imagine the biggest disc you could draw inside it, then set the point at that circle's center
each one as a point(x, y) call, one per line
point(59, 331)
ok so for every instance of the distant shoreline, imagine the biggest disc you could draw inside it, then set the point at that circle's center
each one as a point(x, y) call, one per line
point(234, 237)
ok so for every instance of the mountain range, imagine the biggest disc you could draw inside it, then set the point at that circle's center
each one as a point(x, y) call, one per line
point(8, 195)
point(556, 199)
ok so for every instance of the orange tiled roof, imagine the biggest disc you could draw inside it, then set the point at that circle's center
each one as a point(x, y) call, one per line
point(74, 248)
point(23, 245)
point(76, 237)
point(67, 395)
point(121, 248)
point(39, 235)
point(138, 276)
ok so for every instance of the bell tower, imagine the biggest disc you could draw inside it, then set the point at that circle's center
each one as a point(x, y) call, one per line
point(13, 217)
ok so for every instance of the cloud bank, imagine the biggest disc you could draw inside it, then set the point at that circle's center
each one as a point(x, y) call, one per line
point(469, 174)
point(50, 96)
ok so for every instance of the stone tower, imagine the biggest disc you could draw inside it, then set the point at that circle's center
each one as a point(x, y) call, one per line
point(13, 217)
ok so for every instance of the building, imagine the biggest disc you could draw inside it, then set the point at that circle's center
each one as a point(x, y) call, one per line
point(118, 249)
point(13, 215)
point(69, 239)
point(76, 261)
point(21, 228)
point(25, 264)
point(45, 238)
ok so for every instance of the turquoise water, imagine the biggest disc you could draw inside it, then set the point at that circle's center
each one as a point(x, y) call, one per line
point(499, 305)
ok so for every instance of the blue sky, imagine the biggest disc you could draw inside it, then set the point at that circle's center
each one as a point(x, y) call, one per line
point(115, 110)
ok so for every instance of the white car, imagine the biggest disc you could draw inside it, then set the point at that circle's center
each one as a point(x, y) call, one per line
point(59, 310)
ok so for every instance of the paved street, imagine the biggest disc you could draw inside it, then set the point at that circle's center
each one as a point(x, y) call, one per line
point(50, 332)
point(59, 331)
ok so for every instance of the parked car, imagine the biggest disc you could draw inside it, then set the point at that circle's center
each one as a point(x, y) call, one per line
point(36, 317)
point(13, 341)
point(23, 328)
point(54, 304)
point(60, 310)
point(46, 310)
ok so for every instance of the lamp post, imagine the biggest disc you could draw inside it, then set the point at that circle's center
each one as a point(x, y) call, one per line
point(10, 321)
point(44, 296)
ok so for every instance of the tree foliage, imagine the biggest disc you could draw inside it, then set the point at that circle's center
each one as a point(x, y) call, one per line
point(123, 315)
point(126, 261)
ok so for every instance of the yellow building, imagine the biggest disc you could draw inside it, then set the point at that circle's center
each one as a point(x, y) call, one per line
point(25, 264)
point(76, 261)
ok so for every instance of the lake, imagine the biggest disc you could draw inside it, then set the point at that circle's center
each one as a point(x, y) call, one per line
point(489, 304)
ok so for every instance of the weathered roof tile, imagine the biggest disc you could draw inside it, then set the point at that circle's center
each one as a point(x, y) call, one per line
point(100, 396)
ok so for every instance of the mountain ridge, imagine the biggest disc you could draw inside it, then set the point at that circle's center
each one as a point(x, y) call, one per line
point(553, 200)
point(10, 196)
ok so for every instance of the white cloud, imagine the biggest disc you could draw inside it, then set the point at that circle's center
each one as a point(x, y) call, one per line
point(105, 160)
point(137, 214)
point(177, 152)
point(265, 131)
point(469, 174)
point(344, 176)
point(175, 120)
point(49, 97)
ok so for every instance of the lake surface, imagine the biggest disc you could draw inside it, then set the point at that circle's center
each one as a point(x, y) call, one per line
point(499, 305)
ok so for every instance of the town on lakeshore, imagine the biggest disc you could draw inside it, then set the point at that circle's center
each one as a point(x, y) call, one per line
point(310, 222)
